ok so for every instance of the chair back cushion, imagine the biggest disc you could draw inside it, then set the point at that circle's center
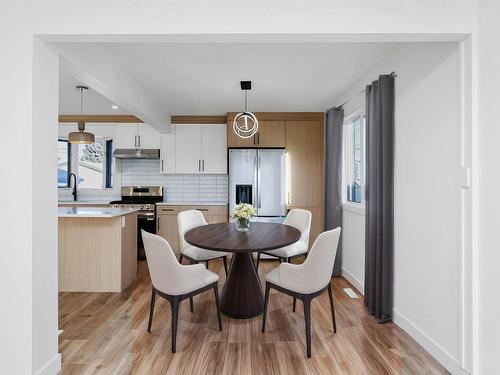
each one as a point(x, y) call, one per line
point(187, 220)
point(301, 220)
point(318, 266)
point(167, 274)
point(162, 263)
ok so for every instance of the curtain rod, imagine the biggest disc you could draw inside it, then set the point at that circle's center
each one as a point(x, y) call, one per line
point(362, 91)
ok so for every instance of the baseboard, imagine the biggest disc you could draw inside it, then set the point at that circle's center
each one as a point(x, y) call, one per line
point(52, 367)
point(440, 354)
point(353, 280)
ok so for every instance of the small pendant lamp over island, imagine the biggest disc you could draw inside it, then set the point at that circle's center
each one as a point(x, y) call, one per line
point(81, 136)
point(245, 124)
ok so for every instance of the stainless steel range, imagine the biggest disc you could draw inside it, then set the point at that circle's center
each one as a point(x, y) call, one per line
point(144, 198)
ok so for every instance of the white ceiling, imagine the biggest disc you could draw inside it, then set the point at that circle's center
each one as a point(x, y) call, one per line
point(203, 79)
point(93, 102)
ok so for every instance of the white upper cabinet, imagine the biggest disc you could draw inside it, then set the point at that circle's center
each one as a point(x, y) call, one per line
point(188, 149)
point(167, 154)
point(214, 148)
point(125, 136)
point(149, 137)
point(195, 148)
point(136, 136)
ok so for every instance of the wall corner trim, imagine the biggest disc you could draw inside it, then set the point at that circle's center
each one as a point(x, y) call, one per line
point(52, 367)
point(433, 348)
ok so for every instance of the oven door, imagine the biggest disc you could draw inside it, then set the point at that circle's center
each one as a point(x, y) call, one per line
point(146, 221)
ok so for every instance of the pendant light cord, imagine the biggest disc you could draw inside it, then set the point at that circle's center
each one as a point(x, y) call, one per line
point(81, 102)
point(246, 91)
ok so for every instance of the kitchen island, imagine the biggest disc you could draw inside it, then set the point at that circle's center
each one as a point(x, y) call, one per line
point(97, 249)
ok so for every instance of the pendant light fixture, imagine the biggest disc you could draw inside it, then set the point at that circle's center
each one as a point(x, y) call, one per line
point(81, 136)
point(245, 124)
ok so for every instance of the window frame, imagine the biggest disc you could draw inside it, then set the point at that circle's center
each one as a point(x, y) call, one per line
point(347, 121)
point(69, 154)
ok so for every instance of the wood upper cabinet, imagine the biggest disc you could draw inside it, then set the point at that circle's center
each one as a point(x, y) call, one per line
point(271, 133)
point(304, 146)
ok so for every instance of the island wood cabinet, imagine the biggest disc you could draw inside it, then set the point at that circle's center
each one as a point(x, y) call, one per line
point(166, 216)
point(136, 136)
point(194, 148)
point(271, 133)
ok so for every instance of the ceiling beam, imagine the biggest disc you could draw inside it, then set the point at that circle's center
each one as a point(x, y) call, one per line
point(100, 118)
point(96, 68)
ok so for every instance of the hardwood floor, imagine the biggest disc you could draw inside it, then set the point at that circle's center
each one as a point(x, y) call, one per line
point(106, 333)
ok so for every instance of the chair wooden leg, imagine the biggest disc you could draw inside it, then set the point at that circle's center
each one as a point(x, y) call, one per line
point(266, 300)
point(307, 317)
point(224, 259)
point(280, 259)
point(151, 308)
point(330, 295)
point(258, 261)
point(216, 294)
point(207, 264)
point(180, 259)
point(294, 303)
point(305, 256)
point(191, 304)
point(175, 315)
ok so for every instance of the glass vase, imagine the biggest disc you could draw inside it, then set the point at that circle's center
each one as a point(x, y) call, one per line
point(242, 225)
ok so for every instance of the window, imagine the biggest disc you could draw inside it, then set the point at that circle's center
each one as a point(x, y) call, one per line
point(63, 163)
point(354, 146)
point(95, 165)
point(92, 163)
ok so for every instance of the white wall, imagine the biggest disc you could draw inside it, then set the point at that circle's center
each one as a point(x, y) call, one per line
point(20, 21)
point(487, 303)
point(44, 192)
point(426, 277)
point(353, 245)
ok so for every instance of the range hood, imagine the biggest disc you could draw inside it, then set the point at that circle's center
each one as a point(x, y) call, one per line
point(140, 153)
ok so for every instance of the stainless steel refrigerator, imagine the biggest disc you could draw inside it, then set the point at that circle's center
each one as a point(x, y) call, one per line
point(257, 176)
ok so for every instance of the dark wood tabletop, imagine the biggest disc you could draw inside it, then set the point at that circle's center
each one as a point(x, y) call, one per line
point(225, 237)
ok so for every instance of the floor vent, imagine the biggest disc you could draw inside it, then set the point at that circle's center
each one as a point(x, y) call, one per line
point(351, 293)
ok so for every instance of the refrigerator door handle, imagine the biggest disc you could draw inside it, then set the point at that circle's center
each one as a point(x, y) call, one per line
point(258, 182)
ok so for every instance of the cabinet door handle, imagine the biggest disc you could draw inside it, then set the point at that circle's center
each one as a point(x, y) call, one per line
point(254, 139)
point(162, 169)
point(166, 209)
point(158, 223)
point(139, 140)
point(199, 165)
point(202, 209)
point(203, 165)
point(258, 138)
point(135, 140)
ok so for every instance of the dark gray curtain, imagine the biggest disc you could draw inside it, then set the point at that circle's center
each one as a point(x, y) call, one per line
point(379, 229)
point(333, 176)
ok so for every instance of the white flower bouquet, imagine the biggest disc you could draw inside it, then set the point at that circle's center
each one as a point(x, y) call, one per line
point(243, 212)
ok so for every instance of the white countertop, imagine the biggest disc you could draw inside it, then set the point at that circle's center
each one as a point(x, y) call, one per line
point(84, 203)
point(93, 211)
point(191, 204)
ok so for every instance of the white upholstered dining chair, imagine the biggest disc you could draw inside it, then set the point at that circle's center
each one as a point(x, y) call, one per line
point(188, 220)
point(174, 281)
point(308, 280)
point(301, 220)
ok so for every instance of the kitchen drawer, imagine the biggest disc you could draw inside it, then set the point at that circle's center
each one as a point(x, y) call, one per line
point(167, 210)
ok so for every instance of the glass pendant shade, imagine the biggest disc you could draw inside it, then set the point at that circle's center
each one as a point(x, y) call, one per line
point(81, 136)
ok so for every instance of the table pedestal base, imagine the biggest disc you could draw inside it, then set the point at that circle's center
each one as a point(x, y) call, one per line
point(242, 294)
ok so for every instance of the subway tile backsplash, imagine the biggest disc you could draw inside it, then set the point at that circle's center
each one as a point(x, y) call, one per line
point(178, 187)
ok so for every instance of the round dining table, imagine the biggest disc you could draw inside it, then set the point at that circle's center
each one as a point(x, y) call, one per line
point(242, 296)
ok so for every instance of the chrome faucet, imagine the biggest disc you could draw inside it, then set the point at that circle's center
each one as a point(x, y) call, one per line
point(75, 193)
